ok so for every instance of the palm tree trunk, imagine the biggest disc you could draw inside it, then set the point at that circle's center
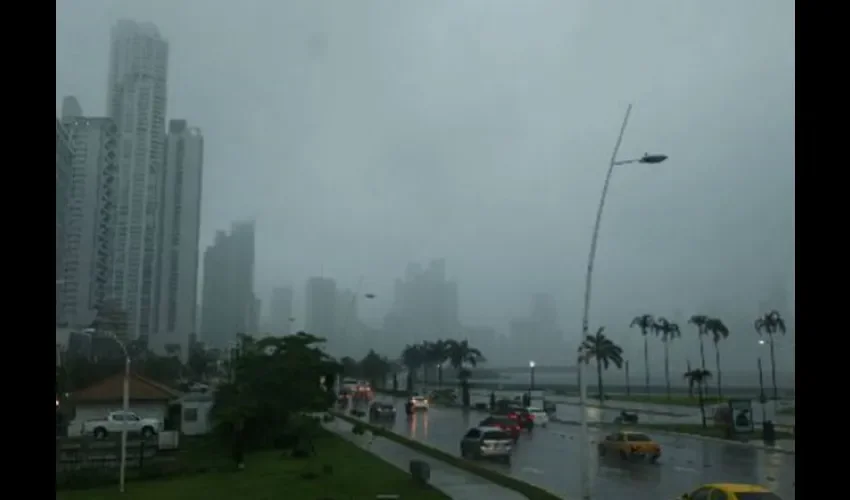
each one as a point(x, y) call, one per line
point(599, 382)
point(667, 366)
point(773, 370)
point(702, 352)
point(646, 361)
point(701, 405)
point(719, 373)
point(690, 384)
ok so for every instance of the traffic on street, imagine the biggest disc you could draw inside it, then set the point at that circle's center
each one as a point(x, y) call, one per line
point(549, 457)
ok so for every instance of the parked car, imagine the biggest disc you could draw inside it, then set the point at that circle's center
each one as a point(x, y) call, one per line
point(117, 421)
point(629, 445)
point(487, 442)
point(382, 411)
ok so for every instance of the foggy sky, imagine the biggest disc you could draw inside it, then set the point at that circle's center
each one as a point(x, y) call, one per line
point(365, 134)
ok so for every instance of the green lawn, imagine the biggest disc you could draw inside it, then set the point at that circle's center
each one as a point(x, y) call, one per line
point(356, 474)
point(698, 430)
point(662, 399)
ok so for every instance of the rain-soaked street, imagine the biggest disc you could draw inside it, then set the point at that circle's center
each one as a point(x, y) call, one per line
point(550, 458)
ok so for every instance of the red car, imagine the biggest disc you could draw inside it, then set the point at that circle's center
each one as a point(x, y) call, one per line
point(518, 415)
point(508, 425)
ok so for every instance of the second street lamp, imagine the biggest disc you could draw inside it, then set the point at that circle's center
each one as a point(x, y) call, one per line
point(531, 369)
point(584, 441)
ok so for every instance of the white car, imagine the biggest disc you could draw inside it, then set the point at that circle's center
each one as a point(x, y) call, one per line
point(540, 417)
point(117, 421)
point(419, 403)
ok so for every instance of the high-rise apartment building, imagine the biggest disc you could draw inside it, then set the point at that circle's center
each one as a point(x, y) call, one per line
point(425, 305)
point(64, 158)
point(138, 66)
point(178, 234)
point(320, 301)
point(87, 242)
point(281, 311)
point(228, 286)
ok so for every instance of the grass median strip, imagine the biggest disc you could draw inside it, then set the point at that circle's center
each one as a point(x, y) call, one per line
point(339, 469)
point(530, 491)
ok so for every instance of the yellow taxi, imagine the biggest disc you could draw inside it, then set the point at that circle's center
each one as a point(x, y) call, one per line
point(628, 445)
point(730, 491)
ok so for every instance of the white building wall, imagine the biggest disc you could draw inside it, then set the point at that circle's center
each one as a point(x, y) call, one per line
point(137, 102)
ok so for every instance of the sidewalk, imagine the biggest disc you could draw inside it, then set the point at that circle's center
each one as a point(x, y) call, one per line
point(454, 482)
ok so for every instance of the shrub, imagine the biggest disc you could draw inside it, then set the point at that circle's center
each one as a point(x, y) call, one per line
point(359, 429)
point(327, 418)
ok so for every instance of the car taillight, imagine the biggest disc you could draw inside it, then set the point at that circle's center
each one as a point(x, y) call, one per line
point(531, 416)
point(512, 416)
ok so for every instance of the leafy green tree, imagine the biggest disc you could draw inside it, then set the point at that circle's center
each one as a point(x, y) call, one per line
point(699, 377)
point(273, 380)
point(375, 369)
point(771, 324)
point(645, 324)
point(605, 352)
point(412, 357)
point(459, 355)
point(436, 354)
point(718, 332)
point(668, 332)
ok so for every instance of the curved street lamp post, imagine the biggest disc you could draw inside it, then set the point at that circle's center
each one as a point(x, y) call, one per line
point(584, 443)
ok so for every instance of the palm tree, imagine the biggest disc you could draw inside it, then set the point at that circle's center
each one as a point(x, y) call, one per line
point(460, 354)
point(699, 377)
point(375, 368)
point(699, 320)
point(412, 358)
point(771, 324)
point(604, 351)
point(437, 354)
point(668, 332)
point(644, 322)
point(718, 331)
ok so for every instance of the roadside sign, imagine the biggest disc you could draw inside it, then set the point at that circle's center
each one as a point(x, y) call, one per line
point(742, 416)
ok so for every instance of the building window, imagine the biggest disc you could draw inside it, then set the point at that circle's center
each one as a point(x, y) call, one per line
point(190, 414)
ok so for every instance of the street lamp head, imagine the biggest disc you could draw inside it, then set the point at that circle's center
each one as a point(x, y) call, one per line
point(531, 364)
point(648, 158)
point(761, 342)
point(370, 295)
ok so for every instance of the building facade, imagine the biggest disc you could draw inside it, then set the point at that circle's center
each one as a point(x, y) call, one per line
point(227, 292)
point(91, 213)
point(281, 311)
point(425, 304)
point(64, 158)
point(320, 318)
point(179, 227)
point(138, 66)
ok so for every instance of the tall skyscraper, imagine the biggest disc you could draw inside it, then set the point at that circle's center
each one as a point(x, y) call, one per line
point(281, 311)
point(138, 66)
point(178, 234)
point(425, 306)
point(91, 212)
point(64, 158)
point(228, 286)
point(320, 301)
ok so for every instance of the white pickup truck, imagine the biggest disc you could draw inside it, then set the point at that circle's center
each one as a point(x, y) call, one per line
point(117, 421)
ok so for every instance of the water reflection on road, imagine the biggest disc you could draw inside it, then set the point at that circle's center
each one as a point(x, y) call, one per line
point(549, 458)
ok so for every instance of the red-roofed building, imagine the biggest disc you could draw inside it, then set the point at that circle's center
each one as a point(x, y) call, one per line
point(148, 399)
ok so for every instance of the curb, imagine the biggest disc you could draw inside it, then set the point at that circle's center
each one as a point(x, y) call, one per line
point(690, 436)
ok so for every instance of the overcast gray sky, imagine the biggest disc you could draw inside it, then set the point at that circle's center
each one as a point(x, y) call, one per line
point(365, 134)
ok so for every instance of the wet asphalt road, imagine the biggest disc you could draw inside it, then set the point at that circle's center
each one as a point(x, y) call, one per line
point(550, 459)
